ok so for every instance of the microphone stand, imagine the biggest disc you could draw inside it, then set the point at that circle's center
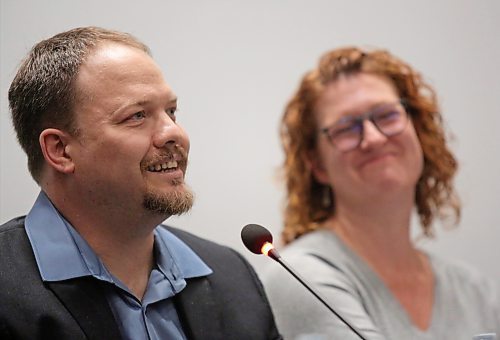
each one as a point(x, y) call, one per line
point(276, 256)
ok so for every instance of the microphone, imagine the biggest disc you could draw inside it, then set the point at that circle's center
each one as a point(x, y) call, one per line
point(259, 241)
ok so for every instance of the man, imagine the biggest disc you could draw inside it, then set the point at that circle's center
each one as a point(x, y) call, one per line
point(98, 122)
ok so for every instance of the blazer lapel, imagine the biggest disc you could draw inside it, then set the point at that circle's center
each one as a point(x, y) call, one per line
point(84, 299)
point(198, 310)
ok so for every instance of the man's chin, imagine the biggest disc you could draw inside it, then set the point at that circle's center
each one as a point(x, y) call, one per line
point(176, 202)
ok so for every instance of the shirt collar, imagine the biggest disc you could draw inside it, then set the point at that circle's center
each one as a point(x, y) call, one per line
point(61, 253)
point(171, 249)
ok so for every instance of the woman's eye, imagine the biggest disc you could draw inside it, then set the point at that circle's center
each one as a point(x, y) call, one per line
point(345, 129)
point(388, 115)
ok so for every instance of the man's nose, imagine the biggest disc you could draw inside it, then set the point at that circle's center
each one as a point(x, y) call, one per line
point(372, 136)
point(167, 131)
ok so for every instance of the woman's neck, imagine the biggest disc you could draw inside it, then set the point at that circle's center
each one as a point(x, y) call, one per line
point(378, 231)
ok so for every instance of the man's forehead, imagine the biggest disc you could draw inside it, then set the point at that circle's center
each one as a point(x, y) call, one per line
point(109, 54)
point(119, 63)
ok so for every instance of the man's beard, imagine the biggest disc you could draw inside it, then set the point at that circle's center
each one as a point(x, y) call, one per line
point(176, 202)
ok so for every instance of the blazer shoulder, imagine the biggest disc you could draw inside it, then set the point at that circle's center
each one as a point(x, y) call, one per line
point(222, 259)
point(234, 288)
point(16, 223)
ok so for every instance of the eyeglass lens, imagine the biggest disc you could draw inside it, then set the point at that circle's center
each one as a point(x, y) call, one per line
point(347, 134)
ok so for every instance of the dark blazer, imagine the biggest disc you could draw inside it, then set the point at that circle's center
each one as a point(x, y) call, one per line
point(228, 304)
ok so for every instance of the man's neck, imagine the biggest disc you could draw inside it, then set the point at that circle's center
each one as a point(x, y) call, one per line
point(123, 239)
point(127, 250)
point(131, 261)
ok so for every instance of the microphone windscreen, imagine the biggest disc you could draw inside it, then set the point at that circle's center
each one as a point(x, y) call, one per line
point(254, 236)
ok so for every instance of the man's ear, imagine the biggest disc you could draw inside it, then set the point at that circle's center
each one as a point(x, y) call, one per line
point(53, 143)
point(317, 168)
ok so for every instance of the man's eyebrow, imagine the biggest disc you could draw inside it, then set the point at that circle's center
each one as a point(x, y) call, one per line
point(172, 100)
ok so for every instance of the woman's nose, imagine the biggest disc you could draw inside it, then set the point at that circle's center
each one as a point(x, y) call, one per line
point(372, 136)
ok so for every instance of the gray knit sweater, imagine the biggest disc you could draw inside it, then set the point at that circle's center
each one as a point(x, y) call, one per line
point(465, 303)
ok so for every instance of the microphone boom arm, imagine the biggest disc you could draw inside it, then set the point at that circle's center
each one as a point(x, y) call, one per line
point(276, 256)
point(259, 240)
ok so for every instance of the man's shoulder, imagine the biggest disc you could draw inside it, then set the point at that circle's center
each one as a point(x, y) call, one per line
point(234, 286)
point(15, 249)
point(13, 240)
point(15, 224)
point(224, 261)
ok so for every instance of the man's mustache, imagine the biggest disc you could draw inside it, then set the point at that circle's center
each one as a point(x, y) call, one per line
point(173, 152)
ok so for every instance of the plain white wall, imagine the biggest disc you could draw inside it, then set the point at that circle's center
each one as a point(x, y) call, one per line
point(234, 64)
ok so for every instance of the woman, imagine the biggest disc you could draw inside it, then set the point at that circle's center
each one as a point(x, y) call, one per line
point(364, 145)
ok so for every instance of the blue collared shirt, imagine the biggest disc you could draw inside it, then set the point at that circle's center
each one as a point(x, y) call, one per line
point(61, 254)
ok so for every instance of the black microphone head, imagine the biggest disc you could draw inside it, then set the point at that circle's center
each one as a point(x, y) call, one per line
point(254, 236)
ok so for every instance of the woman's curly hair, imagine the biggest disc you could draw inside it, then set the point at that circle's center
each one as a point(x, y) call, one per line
point(305, 206)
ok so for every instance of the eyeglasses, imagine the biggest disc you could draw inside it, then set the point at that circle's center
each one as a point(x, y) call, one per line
point(347, 133)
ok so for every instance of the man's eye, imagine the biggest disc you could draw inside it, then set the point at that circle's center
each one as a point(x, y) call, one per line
point(138, 115)
point(171, 111)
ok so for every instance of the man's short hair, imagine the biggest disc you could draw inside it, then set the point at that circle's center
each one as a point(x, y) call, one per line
point(43, 92)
